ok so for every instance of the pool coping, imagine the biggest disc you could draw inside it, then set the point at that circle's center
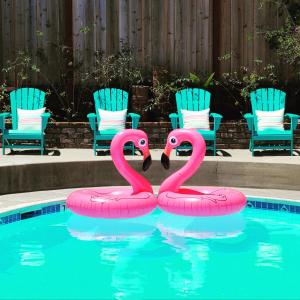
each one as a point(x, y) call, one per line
point(27, 210)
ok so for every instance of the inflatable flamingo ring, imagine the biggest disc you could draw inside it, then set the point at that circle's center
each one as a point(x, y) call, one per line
point(119, 202)
point(197, 201)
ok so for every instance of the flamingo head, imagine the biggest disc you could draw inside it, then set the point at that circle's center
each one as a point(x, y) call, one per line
point(175, 138)
point(140, 140)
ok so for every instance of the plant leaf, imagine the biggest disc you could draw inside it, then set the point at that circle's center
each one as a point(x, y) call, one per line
point(209, 80)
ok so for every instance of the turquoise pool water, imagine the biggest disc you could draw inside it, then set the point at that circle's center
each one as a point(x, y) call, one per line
point(253, 255)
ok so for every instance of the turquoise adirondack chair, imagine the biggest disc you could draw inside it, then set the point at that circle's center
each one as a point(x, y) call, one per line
point(29, 99)
point(114, 100)
point(269, 99)
point(196, 99)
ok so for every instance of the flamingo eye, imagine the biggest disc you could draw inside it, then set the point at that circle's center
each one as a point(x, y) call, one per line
point(142, 142)
point(173, 140)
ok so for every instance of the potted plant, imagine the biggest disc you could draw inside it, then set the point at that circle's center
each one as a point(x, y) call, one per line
point(162, 91)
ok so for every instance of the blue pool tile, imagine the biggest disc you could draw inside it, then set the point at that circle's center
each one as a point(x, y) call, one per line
point(34, 213)
point(250, 204)
point(273, 206)
point(285, 207)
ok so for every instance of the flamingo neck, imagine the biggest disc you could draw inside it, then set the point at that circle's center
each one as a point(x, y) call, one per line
point(138, 183)
point(176, 180)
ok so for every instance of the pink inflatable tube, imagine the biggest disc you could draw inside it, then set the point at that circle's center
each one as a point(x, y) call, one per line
point(119, 202)
point(196, 201)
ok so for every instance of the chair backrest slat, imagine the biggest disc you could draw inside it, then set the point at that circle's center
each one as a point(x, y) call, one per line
point(110, 99)
point(25, 98)
point(192, 99)
point(266, 99)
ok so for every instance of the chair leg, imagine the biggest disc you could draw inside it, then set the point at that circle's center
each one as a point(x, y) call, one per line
point(292, 147)
point(252, 147)
point(3, 145)
point(215, 148)
point(94, 146)
point(132, 149)
point(42, 146)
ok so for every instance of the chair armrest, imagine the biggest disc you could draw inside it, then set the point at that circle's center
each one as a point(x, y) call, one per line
point(45, 118)
point(93, 120)
point(217, 120)
point(250, 120)
point(174, 120)
point(3, 117)
point(294, 120)
point(135, 118)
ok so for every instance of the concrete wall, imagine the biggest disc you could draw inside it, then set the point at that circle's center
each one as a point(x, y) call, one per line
point(34, 177)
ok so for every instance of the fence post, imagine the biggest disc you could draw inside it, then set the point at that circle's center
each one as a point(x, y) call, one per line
point(217, 7)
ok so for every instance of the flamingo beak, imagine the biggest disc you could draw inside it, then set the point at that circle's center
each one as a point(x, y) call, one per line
point(147, 160)
point(165, 157)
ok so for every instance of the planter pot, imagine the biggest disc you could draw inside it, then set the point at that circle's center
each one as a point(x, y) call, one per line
point(139, 101)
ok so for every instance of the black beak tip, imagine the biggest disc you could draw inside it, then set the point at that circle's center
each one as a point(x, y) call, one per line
point(165, 161)
point(147, 163)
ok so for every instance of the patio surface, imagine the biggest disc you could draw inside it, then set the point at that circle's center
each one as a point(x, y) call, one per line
point(69, 155)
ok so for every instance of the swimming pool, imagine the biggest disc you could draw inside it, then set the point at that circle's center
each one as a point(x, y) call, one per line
point(252, 255)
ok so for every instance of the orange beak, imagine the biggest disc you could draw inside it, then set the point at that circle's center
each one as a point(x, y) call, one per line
point(167, 150)
point(146, 153)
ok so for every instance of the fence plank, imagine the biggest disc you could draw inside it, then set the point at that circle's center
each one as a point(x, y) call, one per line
point(124, 21)
point(146, 35)
point(170, 51)
point(177, 34)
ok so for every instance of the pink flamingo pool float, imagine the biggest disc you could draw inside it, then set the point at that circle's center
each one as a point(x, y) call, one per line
point(119, 202)
point(196, 201)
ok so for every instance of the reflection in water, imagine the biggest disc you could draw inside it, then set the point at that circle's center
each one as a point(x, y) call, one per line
point(158, 257)
point(109, 255)
point(197, 239)
point(25, 245)
point(92, 229)
point(269, 255)
point(125, 246)
point(31, 255)
point(190, 236)
point(172, 226)
point(253, 234)
point(189, 277)
point(123, 240)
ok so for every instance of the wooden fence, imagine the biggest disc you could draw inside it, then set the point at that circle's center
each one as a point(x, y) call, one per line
point(182, 35)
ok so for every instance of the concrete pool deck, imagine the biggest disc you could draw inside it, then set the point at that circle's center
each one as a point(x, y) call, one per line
point(75, 168)
point(69, 155)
